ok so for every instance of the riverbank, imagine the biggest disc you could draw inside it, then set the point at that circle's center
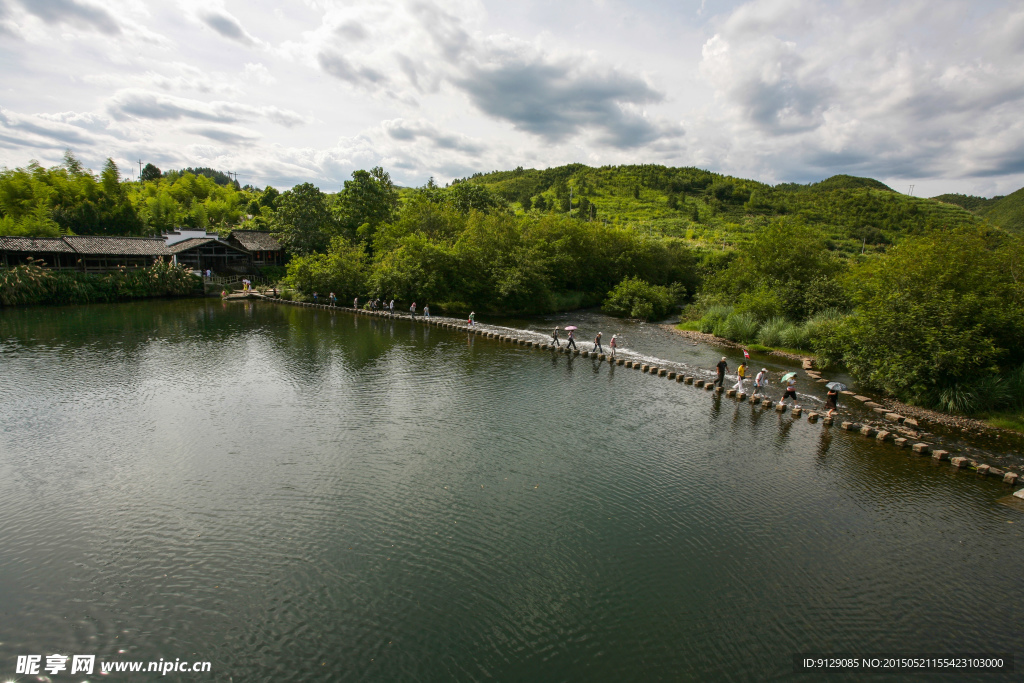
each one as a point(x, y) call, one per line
point(966, 425)
point(704, 338)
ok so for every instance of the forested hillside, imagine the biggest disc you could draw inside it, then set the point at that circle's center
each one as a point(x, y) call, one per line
point(853, 214)
point(1006, 212)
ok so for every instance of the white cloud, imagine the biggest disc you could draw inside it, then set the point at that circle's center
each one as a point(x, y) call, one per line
point(145, 104)
point(259, 73)
point(779, 90)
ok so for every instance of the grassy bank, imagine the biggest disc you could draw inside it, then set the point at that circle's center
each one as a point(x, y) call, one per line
point(33, 284)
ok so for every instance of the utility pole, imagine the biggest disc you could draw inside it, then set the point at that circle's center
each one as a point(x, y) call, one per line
point(911, 191)
point(140, 170)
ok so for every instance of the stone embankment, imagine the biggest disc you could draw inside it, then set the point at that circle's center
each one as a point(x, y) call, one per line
point(892, 428)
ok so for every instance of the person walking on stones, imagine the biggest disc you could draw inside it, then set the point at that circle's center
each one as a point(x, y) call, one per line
point(613, 344)
point(832, 401)
point(355, 303)
point(760, 382)
point(392, 307)
point(790, 393)
point(333, 299)
point(412, 309)
point(722, 367)
point(597, 343)
point(426, 311)
point(741, 377)
point(570, 340)
point(472, 318)
point(554, 337)
point(316, 297)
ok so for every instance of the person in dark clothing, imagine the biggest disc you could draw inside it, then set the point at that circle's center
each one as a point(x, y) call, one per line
point(832, 401)
point(722, 366)
point(597, 343)
point(570, 341)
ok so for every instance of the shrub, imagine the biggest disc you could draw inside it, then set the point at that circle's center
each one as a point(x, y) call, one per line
point(828, 336)
point(713, 317)
point(770, 333)
point(794, 337)
point(985, 394)
point(33, 284)
point(741, 327)
point(636, 298)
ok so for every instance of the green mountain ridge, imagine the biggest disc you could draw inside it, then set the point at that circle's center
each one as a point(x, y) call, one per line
point(855, 214)
point(1005, 211)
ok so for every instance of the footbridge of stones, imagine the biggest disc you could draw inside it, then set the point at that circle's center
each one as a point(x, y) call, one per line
point(696, 380)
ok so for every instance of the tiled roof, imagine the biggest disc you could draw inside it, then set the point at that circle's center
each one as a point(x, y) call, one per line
point(194, 242)
point(35, 244)
point(191, 242)
point(121, 246)
point(255, 240)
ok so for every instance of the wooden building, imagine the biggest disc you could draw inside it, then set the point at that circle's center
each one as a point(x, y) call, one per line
point(88, 253)
point(52, 252)
point(206, 253)
point(265, 249)
point(99, 253)
point(243, 252)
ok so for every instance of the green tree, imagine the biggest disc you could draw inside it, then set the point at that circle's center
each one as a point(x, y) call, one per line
point(365, 203)
point(342, 270)
point(302, 221)
point(935, 311)
point(150, 173)
point(635, 298)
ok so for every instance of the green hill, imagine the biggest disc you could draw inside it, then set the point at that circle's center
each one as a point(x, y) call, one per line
point(849, 182)
point(1006, 212)
point(717, 210)
point(966, 201)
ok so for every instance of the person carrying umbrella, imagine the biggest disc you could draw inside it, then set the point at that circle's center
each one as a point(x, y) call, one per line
point(722, 367)
point(832, 399)
point(790, 379)
point(570, 340)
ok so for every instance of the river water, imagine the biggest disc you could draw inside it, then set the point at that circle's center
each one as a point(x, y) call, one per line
point(293, 495)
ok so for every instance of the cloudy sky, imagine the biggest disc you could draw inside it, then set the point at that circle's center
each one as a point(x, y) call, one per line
point(929, 92)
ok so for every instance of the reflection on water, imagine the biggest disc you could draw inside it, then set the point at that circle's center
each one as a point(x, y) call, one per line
point(296, 495)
